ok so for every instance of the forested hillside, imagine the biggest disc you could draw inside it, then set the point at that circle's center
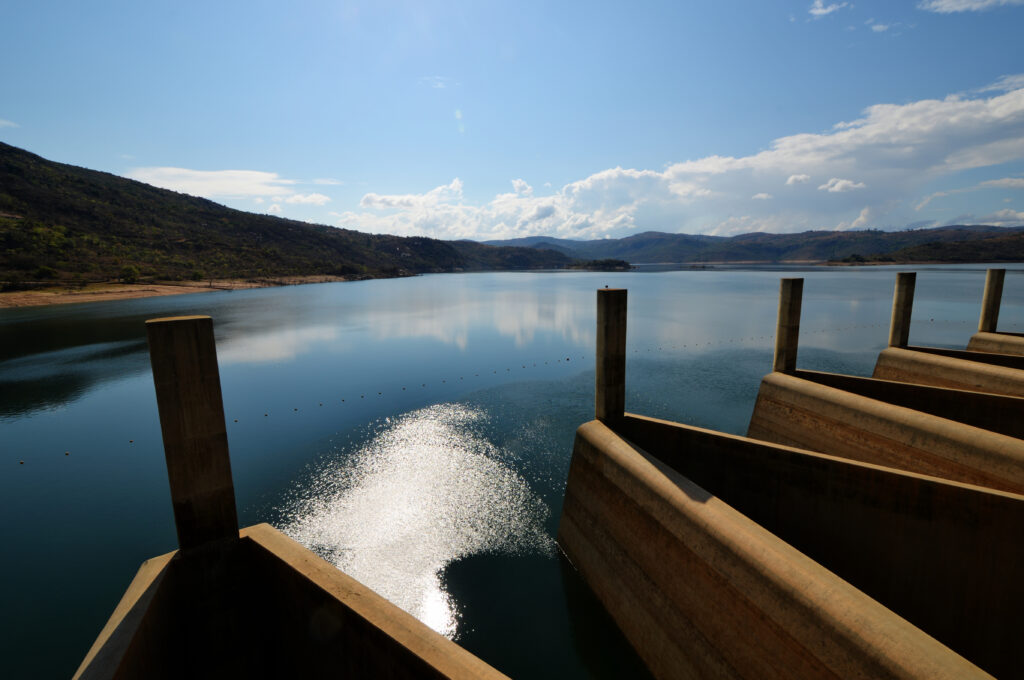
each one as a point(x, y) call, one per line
point(59, 222)
point(809, 246)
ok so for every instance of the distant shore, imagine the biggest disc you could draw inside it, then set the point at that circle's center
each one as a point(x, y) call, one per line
point(98, 292)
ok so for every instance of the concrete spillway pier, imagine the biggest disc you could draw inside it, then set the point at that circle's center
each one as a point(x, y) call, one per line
point(728, 557)
point(988, 339)
point(250, 603)
point(981, 371)
point(960, 435)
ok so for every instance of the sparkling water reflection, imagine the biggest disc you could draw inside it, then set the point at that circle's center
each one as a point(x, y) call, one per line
point(427, 490)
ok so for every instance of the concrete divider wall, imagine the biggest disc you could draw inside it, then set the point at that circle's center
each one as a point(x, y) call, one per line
point(999, 343)
point(926, 368)
point(704, 591)
point(996, 412)
point(794, 411)
point(1004, 360)
point(943, 555)
point(265, 607)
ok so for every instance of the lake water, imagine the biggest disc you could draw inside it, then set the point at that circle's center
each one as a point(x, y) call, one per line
point(415, 432)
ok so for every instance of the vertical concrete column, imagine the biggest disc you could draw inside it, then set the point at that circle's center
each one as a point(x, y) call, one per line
point(787, 329)
point(184, 360)
point(991, 301)
point(610, 393)
point(902, 306)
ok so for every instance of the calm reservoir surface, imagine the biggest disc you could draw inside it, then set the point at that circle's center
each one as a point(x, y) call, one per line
point(414, 432)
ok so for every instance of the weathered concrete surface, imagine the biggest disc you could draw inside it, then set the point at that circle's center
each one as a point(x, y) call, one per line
point(185, 374)
point(957, 369)
point(998, 343)
point(610, 358)
point(703, 591)
point(265, 607)
point(798, 412)
point(996, 412)
point(941, 554)
point(787, 329)
point(991, 300)
point(902, 309)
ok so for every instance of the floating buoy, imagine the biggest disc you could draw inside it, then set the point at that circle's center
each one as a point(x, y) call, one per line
point(132, 441)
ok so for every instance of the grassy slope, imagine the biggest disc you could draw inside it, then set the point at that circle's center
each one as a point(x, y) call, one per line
point(62, 221)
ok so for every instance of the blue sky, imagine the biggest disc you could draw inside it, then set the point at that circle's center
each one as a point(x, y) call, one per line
point(497, 120)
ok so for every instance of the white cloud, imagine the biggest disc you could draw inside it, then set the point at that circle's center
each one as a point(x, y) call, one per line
point(274, 209)
point(439, 196)
point(863, 220)
point(8, 123)
point(328, 181)
point(938, 194)
point(522, 188)
point(1000, 218)
point(437, 82)
point(308, 199)
point(819, 8)
point(877, 166)
point(761, 197)
point(951, 6)
point(214, 183)
point(1005, 183)
point(837, 186)
point(1005, 84)
point(879, 28)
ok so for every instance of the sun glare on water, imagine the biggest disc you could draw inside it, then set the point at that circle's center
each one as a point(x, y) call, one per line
point(425, 491)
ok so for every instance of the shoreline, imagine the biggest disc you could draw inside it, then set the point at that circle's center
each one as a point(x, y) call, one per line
point(99, 292)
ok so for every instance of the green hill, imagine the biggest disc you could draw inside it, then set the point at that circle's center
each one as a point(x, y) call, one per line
point(1001, 248)
point(809, 246)
point(61, 222)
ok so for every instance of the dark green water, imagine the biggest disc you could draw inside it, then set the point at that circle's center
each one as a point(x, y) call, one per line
point(415, 432)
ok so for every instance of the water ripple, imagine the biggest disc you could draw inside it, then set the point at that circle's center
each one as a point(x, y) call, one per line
point(425, 491)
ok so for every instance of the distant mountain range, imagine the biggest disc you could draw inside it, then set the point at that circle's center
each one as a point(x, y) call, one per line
point(64, 223)
point(954, 243)
point(60, 222)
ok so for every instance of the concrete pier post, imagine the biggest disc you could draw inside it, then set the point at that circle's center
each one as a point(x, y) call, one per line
point(991, 301)
point(902, 306)
point(184, 360)
point(610, 393)
point(787, 329)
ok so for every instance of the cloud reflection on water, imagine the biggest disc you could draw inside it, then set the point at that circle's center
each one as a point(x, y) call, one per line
point(456, 317)
point(425, 491)
point(278, 345)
